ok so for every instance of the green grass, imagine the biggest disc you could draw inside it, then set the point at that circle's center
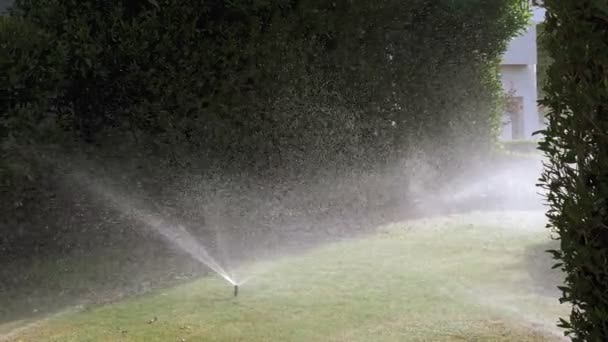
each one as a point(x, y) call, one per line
point(476, 277)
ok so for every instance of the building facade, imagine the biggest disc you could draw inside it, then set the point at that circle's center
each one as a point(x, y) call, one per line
point(518, 74)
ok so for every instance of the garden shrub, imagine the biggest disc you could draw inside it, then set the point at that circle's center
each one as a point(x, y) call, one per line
point(31, 74)
point(276, 91)
point(576, 146)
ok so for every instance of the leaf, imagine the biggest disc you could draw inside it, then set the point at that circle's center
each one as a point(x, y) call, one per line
point(601, 5)
point(564, 324)
point(570, 157)
point(154, 3)
point(555, 253)
point(540, 132)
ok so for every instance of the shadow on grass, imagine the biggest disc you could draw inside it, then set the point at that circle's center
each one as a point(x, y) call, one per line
point(32, 288)
point(538, 264)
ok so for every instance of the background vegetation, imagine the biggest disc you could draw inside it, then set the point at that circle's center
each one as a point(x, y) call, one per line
point(544, 60)
point(280, 90)
point(575, 143)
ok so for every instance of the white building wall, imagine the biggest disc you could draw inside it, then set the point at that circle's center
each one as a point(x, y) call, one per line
point(518, 72)
point(522, 49)
point(521, 80)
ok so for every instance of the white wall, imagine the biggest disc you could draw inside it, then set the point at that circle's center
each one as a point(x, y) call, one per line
point(522, 49)
point(518, 71)
point(538, 14)
point(522, 79)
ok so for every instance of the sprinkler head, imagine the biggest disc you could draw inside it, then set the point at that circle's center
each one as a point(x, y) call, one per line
point(236, 290)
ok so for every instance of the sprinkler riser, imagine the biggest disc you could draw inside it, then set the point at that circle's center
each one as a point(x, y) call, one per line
point(236, 290)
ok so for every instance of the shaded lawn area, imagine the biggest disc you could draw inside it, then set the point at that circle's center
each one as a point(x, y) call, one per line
point(473, 277)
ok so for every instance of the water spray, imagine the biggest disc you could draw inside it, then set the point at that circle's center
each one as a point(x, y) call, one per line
point(175, 234)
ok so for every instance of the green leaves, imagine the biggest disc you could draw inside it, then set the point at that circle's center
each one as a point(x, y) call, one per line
point(575, 174)
point(239, 56)
point(601, 5)
point(154, 3)
point(271, 87)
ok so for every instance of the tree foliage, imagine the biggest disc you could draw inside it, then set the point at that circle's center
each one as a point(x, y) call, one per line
point(576, 144)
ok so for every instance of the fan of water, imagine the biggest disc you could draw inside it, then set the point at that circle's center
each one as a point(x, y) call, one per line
point(177, 235)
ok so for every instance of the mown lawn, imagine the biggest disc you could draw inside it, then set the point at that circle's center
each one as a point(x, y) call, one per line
point(474, 277)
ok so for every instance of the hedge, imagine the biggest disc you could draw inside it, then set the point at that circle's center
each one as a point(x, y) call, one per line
point(280, 91)
point(576, 146)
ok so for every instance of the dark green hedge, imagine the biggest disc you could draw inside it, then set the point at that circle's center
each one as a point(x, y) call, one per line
point(283, 90)
point(576, 145)
point(229, 78)
point(544, 60)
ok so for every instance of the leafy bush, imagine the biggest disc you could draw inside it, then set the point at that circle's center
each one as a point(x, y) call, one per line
point(576, 145)
point(230, 78)
point(280, 90)
point(31, 67)
point(544, 60)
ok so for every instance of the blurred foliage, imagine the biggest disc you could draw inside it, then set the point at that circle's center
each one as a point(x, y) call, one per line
point(544, 60)
point(521, 146)
point(576, 145)
point(280, 90)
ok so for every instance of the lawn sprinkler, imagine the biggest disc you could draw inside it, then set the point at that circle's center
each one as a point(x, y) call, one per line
point(236, 290)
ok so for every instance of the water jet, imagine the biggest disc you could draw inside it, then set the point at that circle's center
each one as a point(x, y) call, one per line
point(175, 234)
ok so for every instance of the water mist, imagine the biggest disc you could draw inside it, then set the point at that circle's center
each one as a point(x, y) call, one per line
point(175, 234)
